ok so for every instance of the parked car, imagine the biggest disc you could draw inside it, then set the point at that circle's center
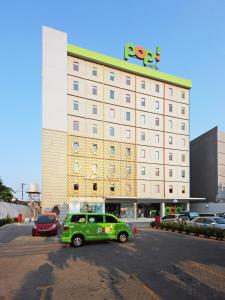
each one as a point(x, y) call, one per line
point(207, 215)
point(174, 218)
point(222, 215)
point(190, 214)
point(215, 222)
point(46, 224)
point(79, 228)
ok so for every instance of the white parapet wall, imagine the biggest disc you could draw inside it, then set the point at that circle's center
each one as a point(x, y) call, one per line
point(210, 207)
point(12, 210)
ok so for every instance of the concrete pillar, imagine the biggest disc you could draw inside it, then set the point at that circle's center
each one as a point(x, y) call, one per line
point(187, 206)
point(162, 209)
point(135, 210)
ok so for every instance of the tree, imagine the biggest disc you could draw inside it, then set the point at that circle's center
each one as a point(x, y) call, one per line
point(6, 193)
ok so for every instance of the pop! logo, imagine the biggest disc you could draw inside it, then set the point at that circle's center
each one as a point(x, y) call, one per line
point(139, 52)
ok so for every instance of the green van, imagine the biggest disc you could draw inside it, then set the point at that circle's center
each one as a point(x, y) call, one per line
point(79, 228)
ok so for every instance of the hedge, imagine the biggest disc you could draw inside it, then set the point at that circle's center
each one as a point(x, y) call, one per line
point(8, 221)
point(182, 226)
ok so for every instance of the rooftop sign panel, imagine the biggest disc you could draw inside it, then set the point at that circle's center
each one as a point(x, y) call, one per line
point(127, 66)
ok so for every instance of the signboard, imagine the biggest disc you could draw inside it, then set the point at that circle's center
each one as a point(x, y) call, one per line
point(146, 55)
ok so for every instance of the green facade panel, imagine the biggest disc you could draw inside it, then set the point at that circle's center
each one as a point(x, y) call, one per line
point(127, 67)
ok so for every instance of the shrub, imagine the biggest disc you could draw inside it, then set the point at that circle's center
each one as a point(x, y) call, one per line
point(196, 230)
point(7, 220)
point(152, 224)
point(219, 233)
point(173, 226)
point(188, 229)
point(181, 226)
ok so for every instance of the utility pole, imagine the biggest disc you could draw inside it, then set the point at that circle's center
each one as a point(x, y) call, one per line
point(22, 184)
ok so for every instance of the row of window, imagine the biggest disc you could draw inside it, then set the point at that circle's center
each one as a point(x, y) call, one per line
point(112, 95)
point(76, 127)
point(128, 118)
point(128, 188)
point(112, 78)
point(112, 151)
point(112, 169)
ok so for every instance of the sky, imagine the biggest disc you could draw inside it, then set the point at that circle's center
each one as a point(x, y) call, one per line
point(190, 33)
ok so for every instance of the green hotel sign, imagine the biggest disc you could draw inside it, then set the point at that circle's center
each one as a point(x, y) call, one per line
point(148, 56)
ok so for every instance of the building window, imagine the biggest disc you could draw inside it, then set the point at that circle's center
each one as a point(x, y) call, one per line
point(170, 173)
point(112, 187)
point(94, 109)
point(170, 91)
point(170, 124)
point(75, 66)
point(142, 136)
point(143, 84)
point(127, 98)
point(94, 168)
point(157, 188)
point(128, 168)
point(111, 131)
point(143, 188)
point(142, 170)
point(183, 189)
point(94, 90)
point(183, 157)
point(170, 189)
point(157, 138)
point(76, 86)
point(143, 119)
point(128, 134)
point(128, 116)
point(76, 167)
point(170, 156)
point(183, 94)
point(183, 142)
point(112, 169)
point(112, 76)
point(183, 173)
point(182, 126)
point(94, 129)
point(170, 140)
point(75, 105)
point(157, 88)
point(156, 104)
point(95, 148)
point(170, 107)
point(76, 146)
point(157, 172)
point(112, 150)
point(128, 151)
point(142, 101)
point(183, 110)
point(112, 113)
point(112, 94)
point(75, 125)
point(157, 121)
point(143, 153)
point(94, 71)
point(95, 186)
point(157, 155)
point(127, 80)
point(76, 186)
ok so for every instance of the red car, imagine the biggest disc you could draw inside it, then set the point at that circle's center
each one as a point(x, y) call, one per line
point(46, 224)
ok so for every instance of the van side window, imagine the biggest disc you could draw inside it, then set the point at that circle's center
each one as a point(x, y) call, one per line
point(110, 219)
point(78, 219)
point(95, 219)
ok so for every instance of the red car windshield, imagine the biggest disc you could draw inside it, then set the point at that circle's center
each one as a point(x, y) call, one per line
point(45, 220)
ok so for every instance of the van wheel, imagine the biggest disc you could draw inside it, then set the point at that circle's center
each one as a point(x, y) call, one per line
point(122, 237)
point(77, 241)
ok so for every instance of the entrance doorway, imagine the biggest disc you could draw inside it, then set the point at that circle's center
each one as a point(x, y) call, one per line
point(113, 208)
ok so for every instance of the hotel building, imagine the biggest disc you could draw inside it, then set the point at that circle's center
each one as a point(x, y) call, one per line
point(115, 134)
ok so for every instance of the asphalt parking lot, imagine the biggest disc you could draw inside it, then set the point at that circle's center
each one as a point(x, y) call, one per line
point(154, 265)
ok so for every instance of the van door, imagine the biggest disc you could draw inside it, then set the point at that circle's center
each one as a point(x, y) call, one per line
point(111, 227)
point(95, 226)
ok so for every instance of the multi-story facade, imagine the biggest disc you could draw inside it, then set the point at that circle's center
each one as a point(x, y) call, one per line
point(207, 153)
point(115, 134)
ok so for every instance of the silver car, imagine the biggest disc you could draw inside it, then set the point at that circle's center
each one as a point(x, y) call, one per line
point(174, 218)
point(215, 222)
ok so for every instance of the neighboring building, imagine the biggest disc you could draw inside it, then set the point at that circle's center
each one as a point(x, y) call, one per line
point(115, 134)
point(207, 167)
